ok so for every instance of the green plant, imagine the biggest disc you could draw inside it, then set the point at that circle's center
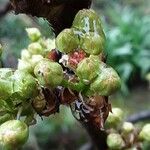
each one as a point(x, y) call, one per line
point(127, 45)
point(30, 90)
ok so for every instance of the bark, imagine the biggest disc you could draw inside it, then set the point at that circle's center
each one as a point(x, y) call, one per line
point(59, 13)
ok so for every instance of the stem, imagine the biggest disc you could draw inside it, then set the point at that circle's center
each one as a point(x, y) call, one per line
point(19, 112)
point(80, 86)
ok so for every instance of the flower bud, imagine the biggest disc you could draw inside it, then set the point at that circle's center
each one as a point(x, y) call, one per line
point(25, 85)
point(67, 41)
point(6, 88)
point(145, 133)
point(115, 117)
point(35, 59)
point(5, 73)
point(25, 55)
point(48, 73)
point(92, 43)
point(13, 134)
point(34, 34)
point(25, 66)
point(35, 49)
point(88, 68)
point(106, 83)
point(127, 127)
point(5, 117)
point(87, 20)
point(6, 84)
point(115, 141)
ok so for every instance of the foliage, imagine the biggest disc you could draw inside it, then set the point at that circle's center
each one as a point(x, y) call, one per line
point(128, 47)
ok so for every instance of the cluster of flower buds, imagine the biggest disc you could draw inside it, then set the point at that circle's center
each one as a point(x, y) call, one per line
point(82, 48)
point(125, 135)
point(79, 78)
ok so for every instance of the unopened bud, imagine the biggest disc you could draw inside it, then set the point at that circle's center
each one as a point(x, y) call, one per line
point(35, 59)
point(115, 117)
point(25, 55)
point(13, 134)
point(88, 68)
point(48, 73)
point(35, 49)
point(67, 41)
point(127, 127)
point(87, 20)
point(34, 34)
point(25, 66)
point(145, 133)
point(115, 141)
point(92, 43)
point(25, 85)
point(106, 83)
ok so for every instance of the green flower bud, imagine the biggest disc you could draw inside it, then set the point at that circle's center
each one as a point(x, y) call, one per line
point(13, 134)
point(115, 118)
point(127, 127)
point(48, 73)
point(25, 55)
point(67, 41)
point(87, 20)
point(93, 43)
point(35, 59)
point(145, 133)
point(35, 49)
point(25, 85)
point(5, 118)
point(115, 141)
point(106, 83)
point(34, 34)
point(25, 66)
point(88, 68)
point(6, 88)
point(5, 73)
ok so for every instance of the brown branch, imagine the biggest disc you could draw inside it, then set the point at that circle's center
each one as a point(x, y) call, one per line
point(59, 13)
point(140, 116)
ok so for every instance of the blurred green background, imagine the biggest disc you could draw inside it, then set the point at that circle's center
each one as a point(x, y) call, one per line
point(127, 27)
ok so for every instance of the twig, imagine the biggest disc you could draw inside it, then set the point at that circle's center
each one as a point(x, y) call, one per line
point(141, 116)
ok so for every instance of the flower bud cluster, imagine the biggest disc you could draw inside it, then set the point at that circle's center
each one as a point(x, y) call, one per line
point(84, 43)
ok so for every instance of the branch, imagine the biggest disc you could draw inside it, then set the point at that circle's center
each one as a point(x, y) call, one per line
point(60, 13)
point(141, 116)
